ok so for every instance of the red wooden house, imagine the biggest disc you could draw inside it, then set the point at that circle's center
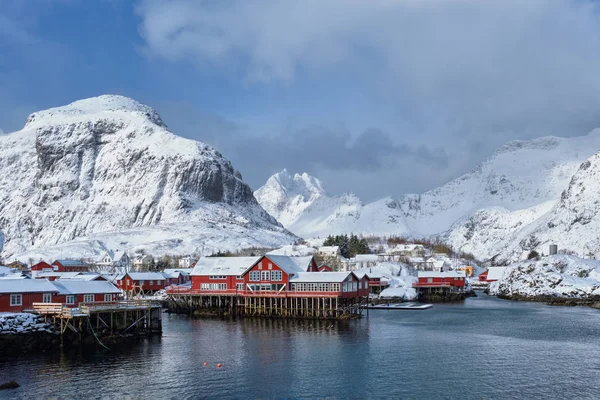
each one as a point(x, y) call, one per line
point(147, 281)
point(72, 292)
point(453, 281)
point(273, 275)
point(176, 276)
point(17, 295)
point(325, 268)
point(70, 266)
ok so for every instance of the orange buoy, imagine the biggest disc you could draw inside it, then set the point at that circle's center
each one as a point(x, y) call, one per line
point(205, 363)
point(219, 365)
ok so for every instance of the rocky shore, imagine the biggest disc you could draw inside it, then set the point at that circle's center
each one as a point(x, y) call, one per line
point(26, 333)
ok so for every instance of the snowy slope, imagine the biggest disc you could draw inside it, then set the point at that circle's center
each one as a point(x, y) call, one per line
point(485, 211)
point(303, 206)
point(556, 276)
point(109, 164)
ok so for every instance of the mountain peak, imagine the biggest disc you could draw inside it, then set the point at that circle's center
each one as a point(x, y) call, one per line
point(94, 108)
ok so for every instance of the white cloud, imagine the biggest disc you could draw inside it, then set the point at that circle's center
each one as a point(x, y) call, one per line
point(465, 74)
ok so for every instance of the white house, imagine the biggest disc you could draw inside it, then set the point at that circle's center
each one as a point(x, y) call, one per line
point(142, 261)
point(330, 251)
point(187, 262)
point(409, 249)
point(116, 259)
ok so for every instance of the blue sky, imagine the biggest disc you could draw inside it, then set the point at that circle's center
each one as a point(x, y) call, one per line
point(385, 98)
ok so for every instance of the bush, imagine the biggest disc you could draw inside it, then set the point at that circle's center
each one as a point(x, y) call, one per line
point(533, 255)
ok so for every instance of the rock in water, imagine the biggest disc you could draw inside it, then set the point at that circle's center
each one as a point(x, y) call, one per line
point(9, 385)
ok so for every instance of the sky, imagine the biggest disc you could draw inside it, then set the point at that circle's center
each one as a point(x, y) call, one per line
point(378, 98)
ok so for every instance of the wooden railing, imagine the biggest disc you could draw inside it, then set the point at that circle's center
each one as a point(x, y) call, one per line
point(256, 293)
point(87, 308)
point(432, 284)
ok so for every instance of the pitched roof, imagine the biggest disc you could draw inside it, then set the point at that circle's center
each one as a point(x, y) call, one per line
point(291, 265)
point(320, 277)
point(71, 263)
point(223, 265)
point(146, 276)
point(26, 286)
point(365, 257)
point(329, 249)
point(447, 274)
point(495, 273)
point(74, 286)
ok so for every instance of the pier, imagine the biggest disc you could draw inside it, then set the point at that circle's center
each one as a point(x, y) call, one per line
point(102, 321)
point(318, 305)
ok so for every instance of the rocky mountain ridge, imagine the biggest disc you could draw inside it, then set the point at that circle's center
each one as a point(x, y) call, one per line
point(108, 164)
point(525, 196)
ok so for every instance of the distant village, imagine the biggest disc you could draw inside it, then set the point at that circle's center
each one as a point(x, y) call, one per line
point(396, 272)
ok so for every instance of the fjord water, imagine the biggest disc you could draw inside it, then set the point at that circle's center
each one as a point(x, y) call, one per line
point(484, 348)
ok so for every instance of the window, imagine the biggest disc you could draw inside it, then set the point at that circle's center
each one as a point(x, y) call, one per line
point(217, 277)
point(254, 276)
point(88, 298)
point(239, 287)
point(276, 276)
point(141, 282)
point(204, 286)
point(260, 265)
point(47, 298)
point(16, 299)
point(429, 280)
point(240, 277)
point(335, 287)
point(151, 283)
point(266, 276)
point(108, 297)
point(270, 266)
point(70, 299)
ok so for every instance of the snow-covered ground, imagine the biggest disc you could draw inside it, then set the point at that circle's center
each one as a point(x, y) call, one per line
point(398, 277)
point(556, 276)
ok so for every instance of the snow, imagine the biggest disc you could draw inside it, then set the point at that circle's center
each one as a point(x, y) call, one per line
point(293, 250)
point(562, 276)
point(20, 323)
point(107, 169)
point(223, 265)
point(509, 203)
point(146, 276)
point(495, 273)
point(319, 277)
point(74, 286)
point(8, 286)
point(445, 274)
point(402, 292)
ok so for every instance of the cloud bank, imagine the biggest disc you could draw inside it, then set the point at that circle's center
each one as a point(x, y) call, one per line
point(461, 75)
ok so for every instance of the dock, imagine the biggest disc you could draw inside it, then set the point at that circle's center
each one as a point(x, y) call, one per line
point(103, 319)
point(400, 306)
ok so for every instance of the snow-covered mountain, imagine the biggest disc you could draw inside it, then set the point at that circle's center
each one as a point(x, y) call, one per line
point(502, 207)
point(108, 167)
point(303, 206)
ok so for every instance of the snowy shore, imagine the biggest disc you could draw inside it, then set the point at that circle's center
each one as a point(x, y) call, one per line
point(558, 279)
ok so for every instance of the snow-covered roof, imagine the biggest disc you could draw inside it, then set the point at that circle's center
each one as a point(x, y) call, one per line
point(146, 276)
point(26, 286)
point(495, 273)
point(290, 265)
point(173, 272)
point(365, 257)
point(71, 263)
point(320, 277)
point(74, 286)
point(293, 250)
point(446, 274)
point(223, 265)
point(14, 276)
point(329, 249)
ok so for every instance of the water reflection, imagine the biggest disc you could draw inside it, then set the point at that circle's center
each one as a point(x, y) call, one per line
point(486, 348)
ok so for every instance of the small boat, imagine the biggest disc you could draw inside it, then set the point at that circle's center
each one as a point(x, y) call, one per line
point(399, 306)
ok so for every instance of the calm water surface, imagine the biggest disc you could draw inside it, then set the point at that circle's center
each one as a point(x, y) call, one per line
point(484, 348)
